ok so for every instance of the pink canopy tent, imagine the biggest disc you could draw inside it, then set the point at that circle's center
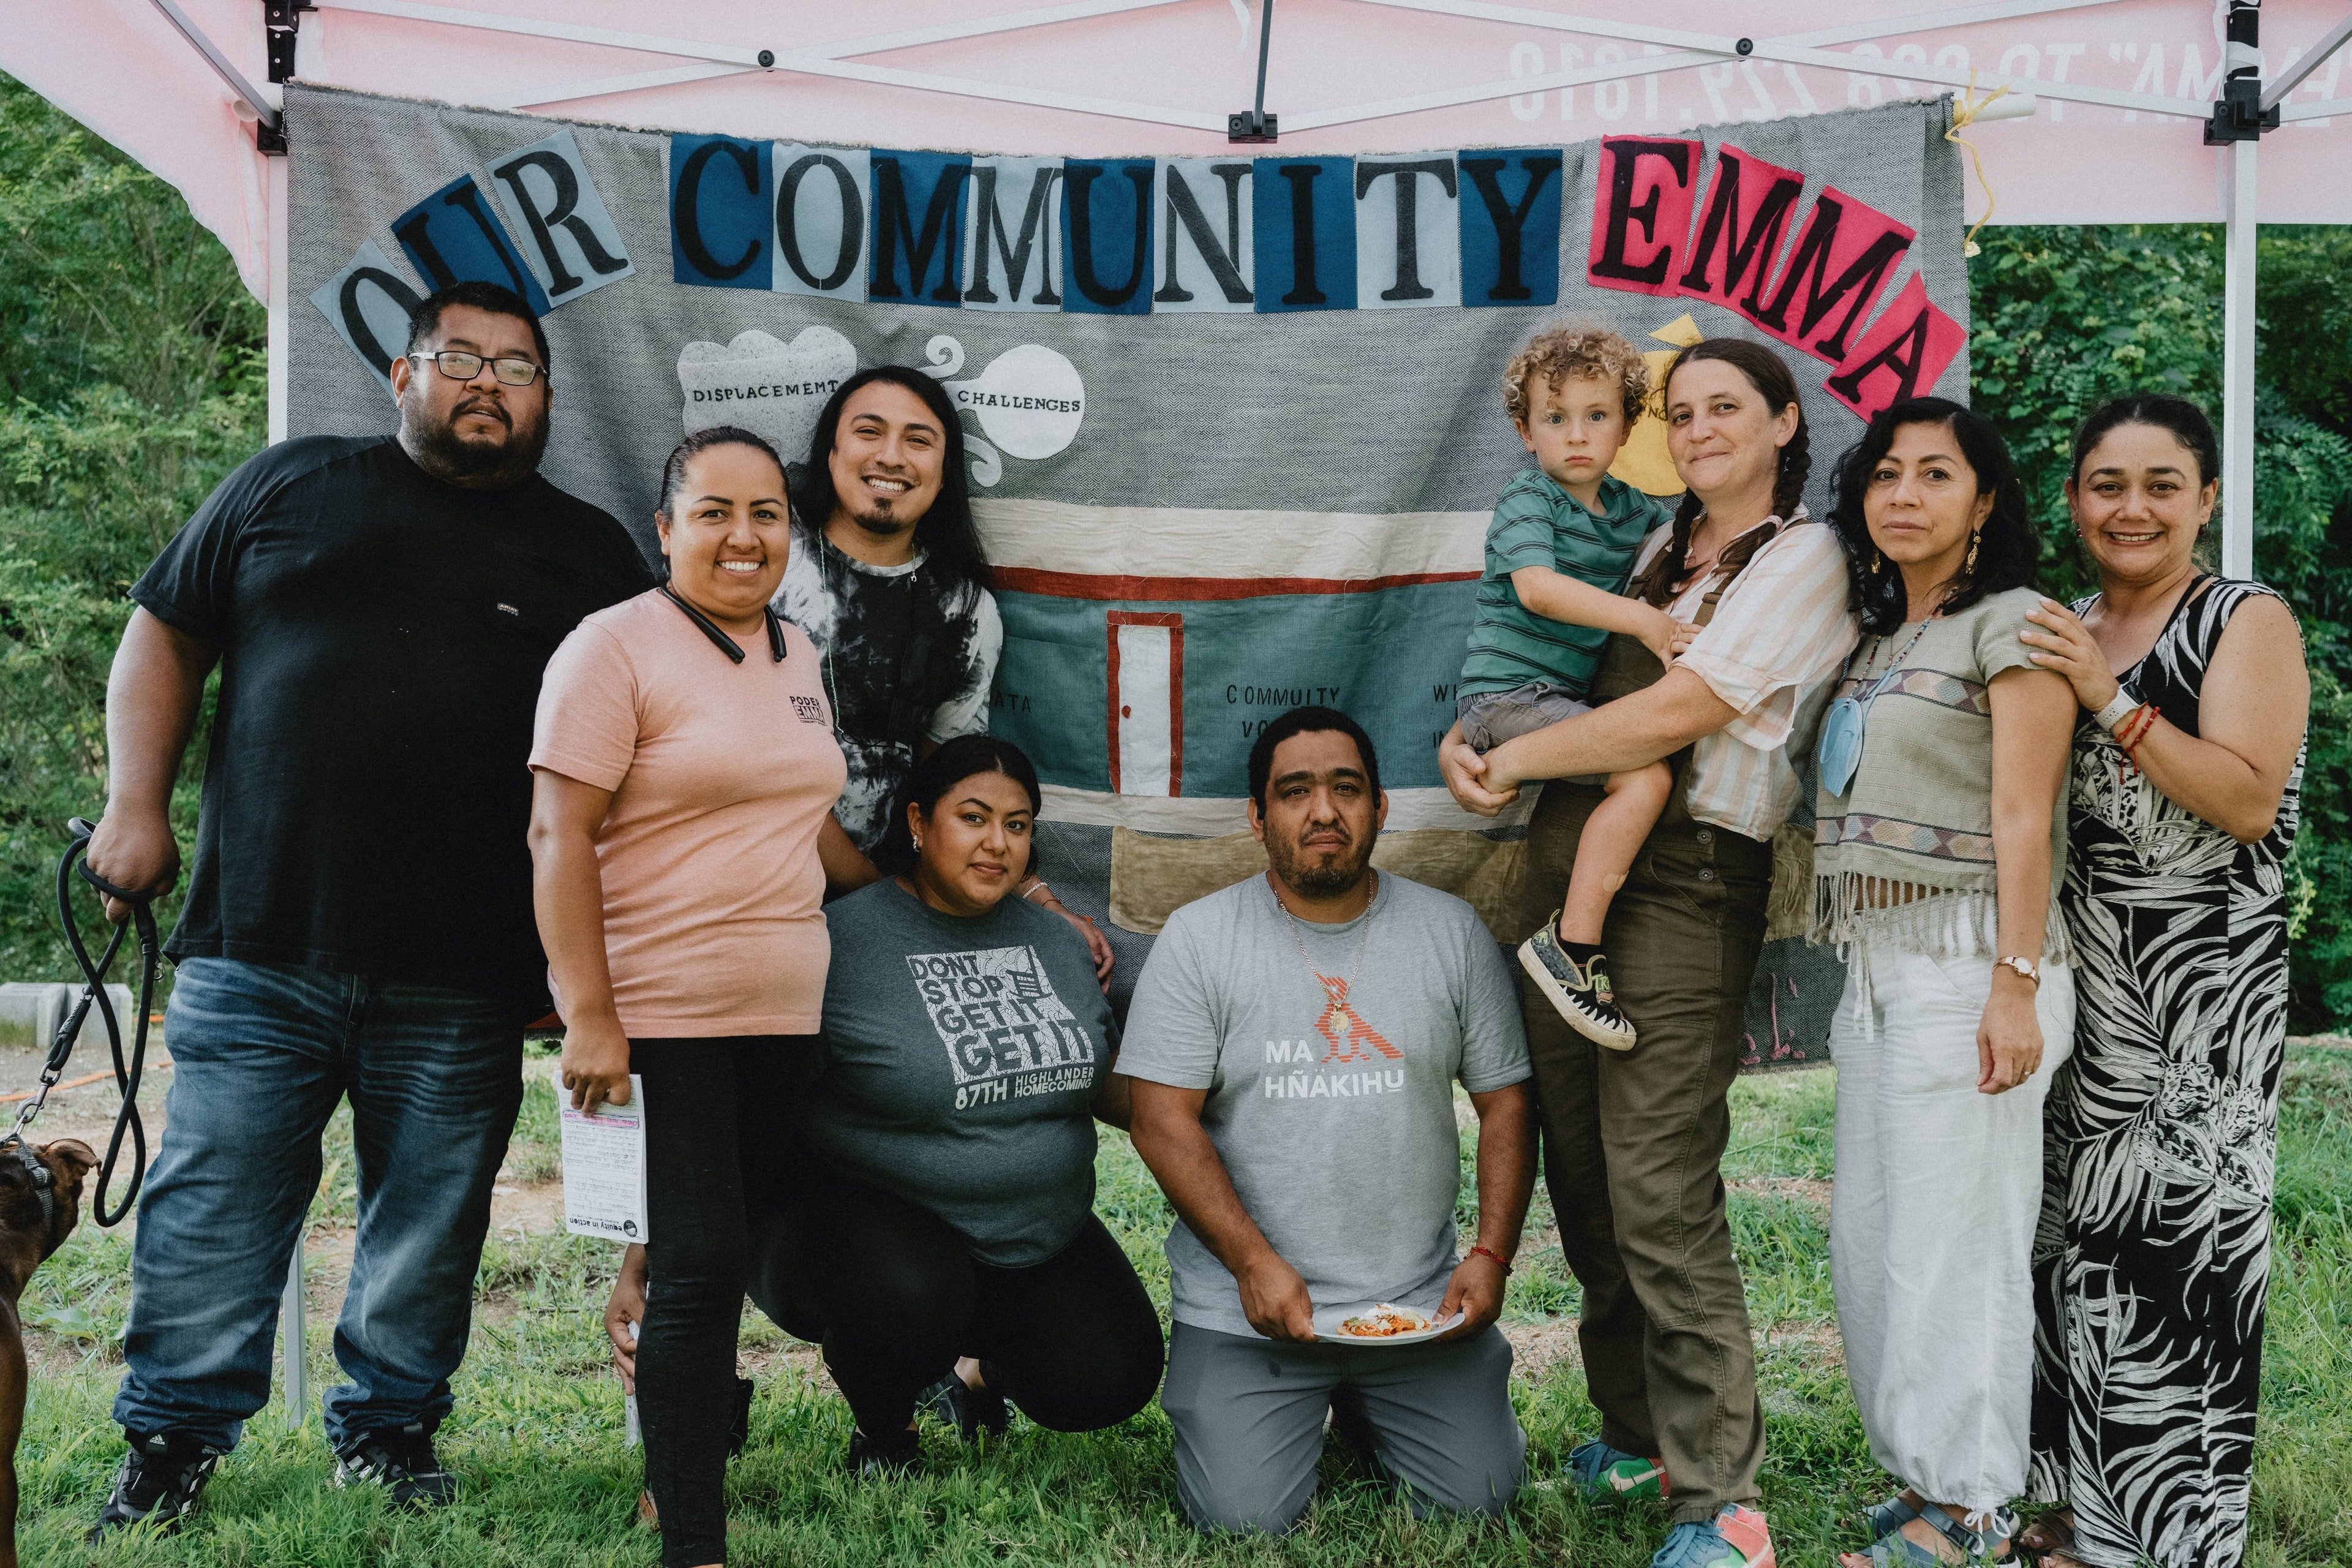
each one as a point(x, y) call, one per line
point(2103, 115)
point(2109, 111)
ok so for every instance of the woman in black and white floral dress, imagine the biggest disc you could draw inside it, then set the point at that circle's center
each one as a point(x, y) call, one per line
point(2152, 1258)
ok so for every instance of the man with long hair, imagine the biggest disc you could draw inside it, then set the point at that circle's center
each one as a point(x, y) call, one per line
point(888, 579)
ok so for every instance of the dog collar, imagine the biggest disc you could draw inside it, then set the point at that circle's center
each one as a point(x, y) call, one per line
point(45, 1186)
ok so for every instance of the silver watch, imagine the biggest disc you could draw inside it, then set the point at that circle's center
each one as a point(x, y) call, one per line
point(2025, 966)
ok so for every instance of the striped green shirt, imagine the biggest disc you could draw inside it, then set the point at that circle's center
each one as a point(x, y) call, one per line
point(1537, 523)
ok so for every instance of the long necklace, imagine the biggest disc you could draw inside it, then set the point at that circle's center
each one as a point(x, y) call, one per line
point(1839, 752)
point(1364, 941)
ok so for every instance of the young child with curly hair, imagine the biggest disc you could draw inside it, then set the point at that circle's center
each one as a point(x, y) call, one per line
point(1559, 553)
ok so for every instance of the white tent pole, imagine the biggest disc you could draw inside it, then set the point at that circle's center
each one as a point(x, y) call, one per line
point(1448, 97)
point(253, 96)
point(745, 55)
point(281, 336)
point(293, 1326)
point(538, 97)
point(2333, 106)
point(826, 59)
point(2291, 78)
point(2237, 365)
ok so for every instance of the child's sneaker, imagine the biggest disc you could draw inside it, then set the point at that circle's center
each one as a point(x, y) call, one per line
point(1734, 1538)
point(1582, 995)
point(1602, 1474)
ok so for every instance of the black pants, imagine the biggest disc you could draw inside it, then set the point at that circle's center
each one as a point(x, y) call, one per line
point(713, 1156)
point(894, 1295)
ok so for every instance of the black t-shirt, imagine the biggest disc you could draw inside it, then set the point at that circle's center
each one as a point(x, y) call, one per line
point(381, 636)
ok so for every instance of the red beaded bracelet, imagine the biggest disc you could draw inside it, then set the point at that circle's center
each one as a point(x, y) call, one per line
point(1483, 1251)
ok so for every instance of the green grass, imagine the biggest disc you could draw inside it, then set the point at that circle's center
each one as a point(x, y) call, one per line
point(538, 1422)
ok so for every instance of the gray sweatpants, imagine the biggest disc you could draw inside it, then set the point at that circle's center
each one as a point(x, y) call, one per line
point(1248, 1414)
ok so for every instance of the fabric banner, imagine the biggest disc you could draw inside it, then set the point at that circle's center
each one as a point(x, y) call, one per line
point(1234, 424)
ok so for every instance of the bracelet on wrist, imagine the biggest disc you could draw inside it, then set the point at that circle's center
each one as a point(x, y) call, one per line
point(1043, 887)
point(1484, 1251)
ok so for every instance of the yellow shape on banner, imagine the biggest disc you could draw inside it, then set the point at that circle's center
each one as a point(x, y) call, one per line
point(1641, 462)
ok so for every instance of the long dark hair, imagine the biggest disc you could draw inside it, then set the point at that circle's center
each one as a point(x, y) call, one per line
point(1768, 374)
point(935, 775)
point(2008, 549)
point(945, 532)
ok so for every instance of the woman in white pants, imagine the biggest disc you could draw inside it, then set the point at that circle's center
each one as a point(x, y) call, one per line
point(1940, 837)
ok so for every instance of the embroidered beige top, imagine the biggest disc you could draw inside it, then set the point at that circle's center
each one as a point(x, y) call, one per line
point(1780, 633)
point(1904, 857)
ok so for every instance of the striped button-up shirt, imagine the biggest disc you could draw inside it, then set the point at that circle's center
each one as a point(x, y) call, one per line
point(1773, 650)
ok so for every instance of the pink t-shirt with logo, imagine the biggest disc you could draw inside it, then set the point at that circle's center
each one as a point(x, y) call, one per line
point(721, 774)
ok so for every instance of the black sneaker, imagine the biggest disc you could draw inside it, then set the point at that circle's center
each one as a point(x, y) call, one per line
point(159, 1480)
point(400, 1460)
point(899, 1453)
point(1582, 994)
point(971, 1411)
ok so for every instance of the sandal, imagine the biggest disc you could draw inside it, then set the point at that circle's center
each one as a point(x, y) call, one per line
point(1884, 1518)
point(1893, 1549)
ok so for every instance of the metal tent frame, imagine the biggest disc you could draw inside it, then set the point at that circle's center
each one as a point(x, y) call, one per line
point(2249, 108)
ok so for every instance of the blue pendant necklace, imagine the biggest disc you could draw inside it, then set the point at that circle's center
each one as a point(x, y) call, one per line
point(1839, 754)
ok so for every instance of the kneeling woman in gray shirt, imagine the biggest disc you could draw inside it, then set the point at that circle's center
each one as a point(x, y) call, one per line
point(941, 1205)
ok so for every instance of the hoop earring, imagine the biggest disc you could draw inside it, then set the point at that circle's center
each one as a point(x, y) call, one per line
point(1968, 566)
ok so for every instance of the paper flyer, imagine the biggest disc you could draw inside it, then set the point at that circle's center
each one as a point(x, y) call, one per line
point(605, 1168)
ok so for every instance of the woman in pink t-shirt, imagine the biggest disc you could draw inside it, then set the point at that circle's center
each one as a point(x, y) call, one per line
point(682, 841)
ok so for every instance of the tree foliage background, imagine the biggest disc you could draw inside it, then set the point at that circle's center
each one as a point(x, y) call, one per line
point(131, 379)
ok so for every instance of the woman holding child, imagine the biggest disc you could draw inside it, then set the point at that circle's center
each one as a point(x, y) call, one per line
point(1635, 1138)
point(1939, 838)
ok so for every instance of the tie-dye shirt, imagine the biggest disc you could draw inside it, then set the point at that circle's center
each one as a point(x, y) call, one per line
point(907, 659)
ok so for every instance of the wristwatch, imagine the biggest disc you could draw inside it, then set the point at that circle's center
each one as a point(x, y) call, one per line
point(2025, 966)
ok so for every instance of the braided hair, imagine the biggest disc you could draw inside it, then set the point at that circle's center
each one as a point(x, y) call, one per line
point(1768, 374)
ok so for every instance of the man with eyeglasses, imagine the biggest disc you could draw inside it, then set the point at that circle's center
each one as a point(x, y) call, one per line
point(359, 921)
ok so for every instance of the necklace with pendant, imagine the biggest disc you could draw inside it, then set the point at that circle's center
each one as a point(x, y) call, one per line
point(1363, 940)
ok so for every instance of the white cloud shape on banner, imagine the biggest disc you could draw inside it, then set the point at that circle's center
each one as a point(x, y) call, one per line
point(768, 386)
point(1029, 401)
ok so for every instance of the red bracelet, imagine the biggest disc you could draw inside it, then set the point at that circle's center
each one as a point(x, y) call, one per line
point(2135, 728)
point(1490, 1252)
point(2147, 718)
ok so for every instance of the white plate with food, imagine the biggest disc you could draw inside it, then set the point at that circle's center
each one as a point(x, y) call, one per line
point(1379, 1324)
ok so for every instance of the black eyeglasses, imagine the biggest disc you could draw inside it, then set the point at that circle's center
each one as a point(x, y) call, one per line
point(459, 365)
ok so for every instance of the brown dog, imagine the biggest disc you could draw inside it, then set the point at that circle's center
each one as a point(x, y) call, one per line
point(35, 1220)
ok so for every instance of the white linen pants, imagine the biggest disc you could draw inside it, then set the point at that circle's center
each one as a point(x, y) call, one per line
point(1932, 1213)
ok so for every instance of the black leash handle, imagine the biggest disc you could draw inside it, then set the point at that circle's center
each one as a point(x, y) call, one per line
point(127, 1071)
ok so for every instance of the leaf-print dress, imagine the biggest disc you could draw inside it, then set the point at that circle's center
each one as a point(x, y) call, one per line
point(2152, 1255)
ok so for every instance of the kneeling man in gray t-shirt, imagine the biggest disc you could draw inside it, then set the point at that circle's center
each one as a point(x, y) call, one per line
point(1295, 1041)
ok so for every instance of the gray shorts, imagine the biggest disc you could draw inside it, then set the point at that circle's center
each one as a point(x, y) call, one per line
point(1491, 718)
point(1248, 1415)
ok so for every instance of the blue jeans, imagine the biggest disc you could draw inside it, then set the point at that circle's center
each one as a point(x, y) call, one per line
point(261, 1054)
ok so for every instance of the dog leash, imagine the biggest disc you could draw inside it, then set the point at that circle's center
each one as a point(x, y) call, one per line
point(126, 1074)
